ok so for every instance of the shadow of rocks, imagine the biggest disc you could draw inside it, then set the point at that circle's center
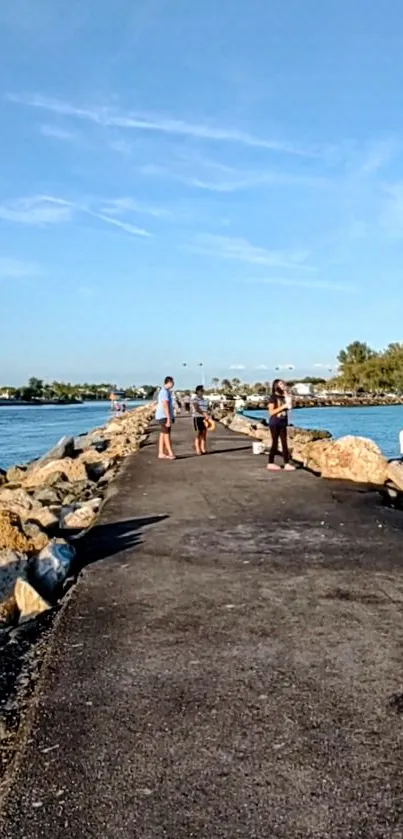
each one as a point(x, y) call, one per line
point(105, 540)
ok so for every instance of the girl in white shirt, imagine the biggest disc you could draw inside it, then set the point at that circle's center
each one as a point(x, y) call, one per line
point(199, 412)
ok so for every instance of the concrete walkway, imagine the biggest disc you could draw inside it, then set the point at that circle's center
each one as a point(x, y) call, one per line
point(231, 666)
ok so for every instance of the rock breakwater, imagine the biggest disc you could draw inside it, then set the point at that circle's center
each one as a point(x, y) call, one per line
point(348, 458)
point(46, 506)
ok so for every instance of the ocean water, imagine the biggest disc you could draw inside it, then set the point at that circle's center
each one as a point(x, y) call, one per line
point(29, 431)
point(381, 424)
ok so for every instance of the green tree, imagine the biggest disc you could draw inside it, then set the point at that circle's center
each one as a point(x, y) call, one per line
point(226, 384)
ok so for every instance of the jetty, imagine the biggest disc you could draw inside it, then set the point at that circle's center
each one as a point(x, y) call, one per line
point(228, 665)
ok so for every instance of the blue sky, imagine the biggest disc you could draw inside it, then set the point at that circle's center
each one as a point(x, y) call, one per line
point(198, 181)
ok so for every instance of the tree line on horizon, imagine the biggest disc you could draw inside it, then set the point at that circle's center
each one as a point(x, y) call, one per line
point(37, 389)
point(363, 369)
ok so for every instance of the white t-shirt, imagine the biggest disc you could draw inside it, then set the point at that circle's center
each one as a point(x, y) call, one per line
point(198, 402)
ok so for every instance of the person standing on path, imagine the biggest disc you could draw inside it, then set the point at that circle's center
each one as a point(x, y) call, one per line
point(165, 416)
point(200, 415)
point(279, 405)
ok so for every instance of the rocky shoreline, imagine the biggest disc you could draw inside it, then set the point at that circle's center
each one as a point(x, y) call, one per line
point(300, 402)
point(46, 508)
point(349, 458)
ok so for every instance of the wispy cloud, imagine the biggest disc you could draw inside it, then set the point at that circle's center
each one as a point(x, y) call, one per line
point(39, 210)
point(57, 133)
point(129, 228)
point(120, 206)
point(261, 367)
point(377, 155)
point(160, 123)
point(240, 250)
point(212, 176)
point(237, 367)
point(44, 210)
point(16, 269)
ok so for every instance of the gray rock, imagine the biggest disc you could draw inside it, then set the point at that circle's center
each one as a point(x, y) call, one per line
point(56, 479)
point(30, 529)
point(64, 448)
point(47, 496)
point(43, 517)
point(89, 441)
point(81, 517)
point(107, 477)
point(97, 469)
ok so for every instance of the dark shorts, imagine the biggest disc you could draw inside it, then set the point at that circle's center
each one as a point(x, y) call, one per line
point(198, 424)
point(163, 426)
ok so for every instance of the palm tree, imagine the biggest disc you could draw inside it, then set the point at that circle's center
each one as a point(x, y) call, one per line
point(215, 382)
point(226, 384)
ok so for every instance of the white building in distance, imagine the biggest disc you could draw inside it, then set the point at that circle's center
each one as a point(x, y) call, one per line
point(303, 389)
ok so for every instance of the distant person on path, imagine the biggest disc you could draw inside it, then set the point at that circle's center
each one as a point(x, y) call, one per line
point(199, 411)
point(279, 405)
point(186, 402)
point(165, 416)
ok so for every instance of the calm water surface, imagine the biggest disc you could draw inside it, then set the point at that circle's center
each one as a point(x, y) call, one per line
point(381, 424)
point(27, 432)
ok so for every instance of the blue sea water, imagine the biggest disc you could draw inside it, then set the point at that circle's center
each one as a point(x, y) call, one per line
point(29, 431)
point(381, 424)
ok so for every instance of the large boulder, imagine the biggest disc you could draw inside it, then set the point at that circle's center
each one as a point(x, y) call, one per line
point(93, 440)
point(95, 465)
point(82, 517)
point(349, 458)
point(395, 473)
point(72, 469)
point(48, 496)
point(12, 536)
point(64, 448)
point(16, 498)
point(28, 601)
point(44, 517)
point(27, 508)
point(49, 569)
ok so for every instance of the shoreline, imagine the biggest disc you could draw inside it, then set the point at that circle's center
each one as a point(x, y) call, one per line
point(249, 631)
point(299, 403)
point(47, 507)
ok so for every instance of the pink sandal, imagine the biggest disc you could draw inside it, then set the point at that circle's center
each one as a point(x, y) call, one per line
point(272, 467)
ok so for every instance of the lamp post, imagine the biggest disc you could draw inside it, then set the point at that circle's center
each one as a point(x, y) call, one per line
point(200, 364)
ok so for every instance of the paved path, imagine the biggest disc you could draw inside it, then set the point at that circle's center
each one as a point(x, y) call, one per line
point(226, 670)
